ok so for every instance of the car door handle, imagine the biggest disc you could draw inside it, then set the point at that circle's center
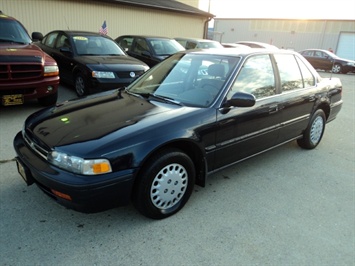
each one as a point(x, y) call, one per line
point(273, 109)
point(312, 98)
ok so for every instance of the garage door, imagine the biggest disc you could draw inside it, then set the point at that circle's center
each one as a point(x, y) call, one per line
point(346, 45)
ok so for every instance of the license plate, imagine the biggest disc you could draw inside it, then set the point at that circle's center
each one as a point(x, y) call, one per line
point(21, 170)
point(13, 99)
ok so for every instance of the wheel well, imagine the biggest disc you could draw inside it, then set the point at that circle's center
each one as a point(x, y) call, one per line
point(326, 109)
point(193, 151)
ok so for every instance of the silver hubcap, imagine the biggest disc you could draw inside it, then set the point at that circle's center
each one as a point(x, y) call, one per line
point(316, 130)
point(169, 186)
point(79, 85)
point(336, 69)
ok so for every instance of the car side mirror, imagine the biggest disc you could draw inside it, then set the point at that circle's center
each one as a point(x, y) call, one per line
point(37, 36)
point(241, 99)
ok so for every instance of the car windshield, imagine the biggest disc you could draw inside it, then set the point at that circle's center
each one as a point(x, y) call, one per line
point(189, 79)
point(12, 31)
point(165, 46)
point(96, 45)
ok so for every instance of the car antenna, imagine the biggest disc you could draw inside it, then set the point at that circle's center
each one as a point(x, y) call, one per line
point(65, 19)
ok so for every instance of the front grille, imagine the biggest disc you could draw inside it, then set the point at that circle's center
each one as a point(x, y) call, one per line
point(126, 74)
point(35, 147)
point(13, 71)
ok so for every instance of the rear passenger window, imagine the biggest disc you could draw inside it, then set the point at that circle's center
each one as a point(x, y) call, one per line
point(256, 77)
point(290, 73)
point(307, 75)
point(126, 43)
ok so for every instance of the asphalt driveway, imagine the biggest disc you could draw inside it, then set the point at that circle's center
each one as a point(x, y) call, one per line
point(285, 207)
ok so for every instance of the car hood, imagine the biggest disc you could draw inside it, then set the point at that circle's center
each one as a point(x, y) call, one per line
point(97, 116)
point(29, 52)
point(109, 60)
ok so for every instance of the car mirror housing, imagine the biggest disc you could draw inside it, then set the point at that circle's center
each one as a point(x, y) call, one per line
point(241, 99)
point(37, 36)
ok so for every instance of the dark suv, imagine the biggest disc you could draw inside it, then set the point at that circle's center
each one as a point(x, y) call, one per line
point(149, 49)
point(26, 72)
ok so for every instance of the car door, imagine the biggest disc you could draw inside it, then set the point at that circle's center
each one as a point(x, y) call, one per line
point(244, 131)
point(297, 98)
point(63, 54)
point(322, 61)
point(140, 49)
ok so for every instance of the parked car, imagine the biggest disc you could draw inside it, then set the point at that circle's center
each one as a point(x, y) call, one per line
point(326, 60)
point(195, 43)
point(150, 49)
point(90, 61)
point(153, 141)
point(257, 45)
point(26, 72)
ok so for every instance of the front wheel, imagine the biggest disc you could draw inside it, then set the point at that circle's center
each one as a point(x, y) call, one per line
point(165, 184)
point(81, 87)
point(314, 132)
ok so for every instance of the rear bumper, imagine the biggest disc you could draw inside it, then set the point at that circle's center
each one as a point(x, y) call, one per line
point(85, 193)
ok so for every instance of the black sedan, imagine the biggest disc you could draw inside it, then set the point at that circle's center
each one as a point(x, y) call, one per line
point(326, 60)
point(150, 49)
point(90, 61)
point(191, 115)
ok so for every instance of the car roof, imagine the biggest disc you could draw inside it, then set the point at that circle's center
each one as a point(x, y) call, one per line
point(322, 50)
point(79, 32)
point(195, 39)
point(237, 51)
point(145, 36)
point(263, 44)
point(4, 16)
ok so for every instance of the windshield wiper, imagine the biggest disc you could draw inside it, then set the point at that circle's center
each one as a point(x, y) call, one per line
point(164, 98)
point(156, 96)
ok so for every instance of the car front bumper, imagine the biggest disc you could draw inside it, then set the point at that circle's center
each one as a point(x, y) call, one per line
point(78, 192)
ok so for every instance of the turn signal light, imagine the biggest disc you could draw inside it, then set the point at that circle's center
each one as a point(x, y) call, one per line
point(61, 195)
point(100, 168)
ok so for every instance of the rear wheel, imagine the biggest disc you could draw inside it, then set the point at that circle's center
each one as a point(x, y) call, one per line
point(314, 132)
point(165, 184)
point(81, 87)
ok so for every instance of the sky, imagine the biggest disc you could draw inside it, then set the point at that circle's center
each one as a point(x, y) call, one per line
point(283, 9)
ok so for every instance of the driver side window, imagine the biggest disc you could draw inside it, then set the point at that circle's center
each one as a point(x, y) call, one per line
point(140, 46)
point(50, 40)
point(255, 77)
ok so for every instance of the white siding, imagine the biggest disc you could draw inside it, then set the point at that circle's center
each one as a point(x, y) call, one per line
point(48, 15)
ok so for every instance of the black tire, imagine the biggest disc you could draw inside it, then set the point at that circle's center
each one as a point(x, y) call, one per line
point(314, 132)
point(49, 100)
point(81, 86)
point(337, 69)
point(165, 184)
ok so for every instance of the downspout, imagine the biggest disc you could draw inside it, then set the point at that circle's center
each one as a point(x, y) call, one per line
point(205, 31)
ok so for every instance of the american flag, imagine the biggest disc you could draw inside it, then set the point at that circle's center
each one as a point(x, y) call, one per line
point(103, 30)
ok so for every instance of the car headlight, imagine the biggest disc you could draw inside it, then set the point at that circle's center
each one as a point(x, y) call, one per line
point(51, 71)
point(79, 165)
point(103, 75)
point(351, 64)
